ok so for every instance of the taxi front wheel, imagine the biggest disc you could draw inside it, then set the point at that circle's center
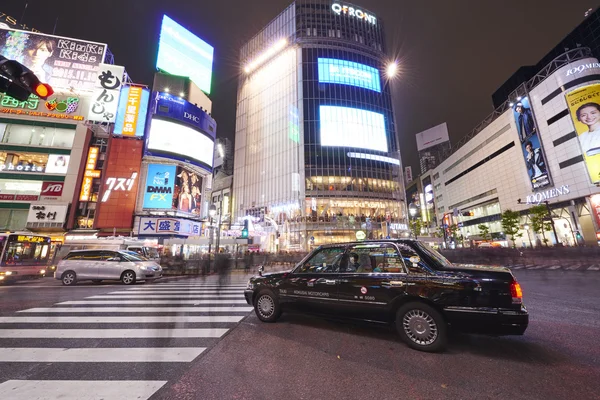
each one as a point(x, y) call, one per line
point(267, 306)
point(422, 327)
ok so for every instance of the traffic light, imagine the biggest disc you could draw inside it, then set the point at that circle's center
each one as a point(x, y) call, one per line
point(17, 81)
point(245, 230)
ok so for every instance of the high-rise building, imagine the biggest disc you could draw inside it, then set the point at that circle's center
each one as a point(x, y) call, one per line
point(316, 153)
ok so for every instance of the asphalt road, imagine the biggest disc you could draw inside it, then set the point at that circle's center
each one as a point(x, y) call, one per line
point(299, 357)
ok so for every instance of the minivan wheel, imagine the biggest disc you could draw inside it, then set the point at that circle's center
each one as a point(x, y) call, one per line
point(128, 277)
point(69, 278)
point(266, 306)
point(422, 327)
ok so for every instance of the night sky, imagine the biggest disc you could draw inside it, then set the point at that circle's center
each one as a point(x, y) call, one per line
point(453, 54)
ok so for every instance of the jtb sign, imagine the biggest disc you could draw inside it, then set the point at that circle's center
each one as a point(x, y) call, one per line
point(160, 182)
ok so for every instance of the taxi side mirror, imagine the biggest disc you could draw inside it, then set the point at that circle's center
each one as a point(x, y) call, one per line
point(261, 269)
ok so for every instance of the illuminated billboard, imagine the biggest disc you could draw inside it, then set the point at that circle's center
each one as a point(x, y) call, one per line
point(180, 142)
point(64, 63)
point(531, 146)
point(344, 72)
point(160, 183)
point(188, 191)
point(352, 127)
point(132, 111)
point(180, 52)
point(584, 107)
point(173, 107)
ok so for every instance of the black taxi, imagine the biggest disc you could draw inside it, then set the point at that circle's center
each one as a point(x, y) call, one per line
point(402, 282)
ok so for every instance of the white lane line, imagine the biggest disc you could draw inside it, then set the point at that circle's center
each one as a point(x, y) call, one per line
point(168, 291)
point(150, 302)
point(167, 296)
point(127, 354)
point(122, 320)
point(79, 390)
point(111, 333)
point(121, 310)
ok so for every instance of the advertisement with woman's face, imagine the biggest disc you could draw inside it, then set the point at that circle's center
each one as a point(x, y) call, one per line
point(188, 189)
point(584, 106)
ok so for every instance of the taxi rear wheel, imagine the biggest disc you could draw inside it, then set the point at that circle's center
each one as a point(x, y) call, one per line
point(422, 327)
point(266, 306)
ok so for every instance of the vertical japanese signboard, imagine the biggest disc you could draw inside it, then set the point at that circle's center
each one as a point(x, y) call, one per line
point(89, 174)
point(105, 99)
point(132, 111)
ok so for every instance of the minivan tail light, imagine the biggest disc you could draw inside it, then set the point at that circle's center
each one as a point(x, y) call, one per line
point(516, 292)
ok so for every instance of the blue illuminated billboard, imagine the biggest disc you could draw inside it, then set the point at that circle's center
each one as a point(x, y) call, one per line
point(352, 127)
point(132, 111)
point(180, 52)
point(160, 184)
point(344, 72)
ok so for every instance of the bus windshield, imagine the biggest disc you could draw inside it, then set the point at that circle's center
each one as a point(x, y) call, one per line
point(26, 250)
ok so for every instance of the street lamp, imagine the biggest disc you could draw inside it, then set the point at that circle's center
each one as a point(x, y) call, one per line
point(212, 211)
point(526, 227)
point(391, 70)
point(412, 209)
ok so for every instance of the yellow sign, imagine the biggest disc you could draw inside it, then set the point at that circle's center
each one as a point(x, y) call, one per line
point(584, 106)
point(132, 110)
point(89, 174)
point(31, 239)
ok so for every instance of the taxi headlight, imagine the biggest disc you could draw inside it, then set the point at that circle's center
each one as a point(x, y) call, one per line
point(7, 273)
point(42, 271)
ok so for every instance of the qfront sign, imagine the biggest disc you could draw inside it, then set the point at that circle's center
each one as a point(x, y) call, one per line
point(340, 9)
point(540, 197)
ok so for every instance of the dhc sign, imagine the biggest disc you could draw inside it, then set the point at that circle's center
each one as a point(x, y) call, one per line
point(537, 198)
point(353, 12)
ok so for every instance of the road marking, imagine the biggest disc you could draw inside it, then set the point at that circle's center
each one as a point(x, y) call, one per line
point(42, 310)
point(594, 268)
point(111, 333)
point(79, 390)
point(121, 320)
point(554, 267)
point(166, 296)
point(177, 292)
point(127, 354)
point(150, 302)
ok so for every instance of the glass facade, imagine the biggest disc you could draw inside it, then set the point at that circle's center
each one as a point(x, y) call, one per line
point(316, 149)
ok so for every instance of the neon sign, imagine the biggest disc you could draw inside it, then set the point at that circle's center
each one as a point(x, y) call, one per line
point(33, 107)
point(353, 12)
point(89, 174)
point(116, 184)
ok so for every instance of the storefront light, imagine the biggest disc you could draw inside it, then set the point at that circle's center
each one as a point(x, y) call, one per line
point(270, 52)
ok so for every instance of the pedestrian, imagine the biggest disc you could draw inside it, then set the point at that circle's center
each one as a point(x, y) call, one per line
point(223, 266)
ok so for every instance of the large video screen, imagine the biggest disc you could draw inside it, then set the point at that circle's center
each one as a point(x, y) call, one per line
point(344, 72)
point(180, 52)
point(352, 127)
point(180, 142)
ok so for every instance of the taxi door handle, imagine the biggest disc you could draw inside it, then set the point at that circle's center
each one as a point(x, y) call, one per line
point(330, 281)
point(394, 283)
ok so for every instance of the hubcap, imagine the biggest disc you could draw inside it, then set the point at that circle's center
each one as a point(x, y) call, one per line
point(127, 278)
point(266, 306)
point(420, 327)
point(68, 279)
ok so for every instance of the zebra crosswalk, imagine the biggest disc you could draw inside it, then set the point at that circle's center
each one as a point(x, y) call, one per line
point(124, 344)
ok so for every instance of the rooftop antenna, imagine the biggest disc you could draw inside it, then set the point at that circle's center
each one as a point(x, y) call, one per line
point(23, 15)
point(55, 23)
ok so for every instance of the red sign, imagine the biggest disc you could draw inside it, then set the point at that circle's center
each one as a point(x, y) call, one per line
point(119, 189)
point(26, 197)
point(8, 197)
point(52, 189)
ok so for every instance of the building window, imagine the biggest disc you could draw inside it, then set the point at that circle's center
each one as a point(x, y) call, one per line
point(30, 135)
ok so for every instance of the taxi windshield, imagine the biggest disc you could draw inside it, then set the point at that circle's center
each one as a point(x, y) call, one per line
point(434, 256)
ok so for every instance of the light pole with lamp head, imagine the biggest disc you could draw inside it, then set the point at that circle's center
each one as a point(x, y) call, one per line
point(212, 211)
point(412, 209)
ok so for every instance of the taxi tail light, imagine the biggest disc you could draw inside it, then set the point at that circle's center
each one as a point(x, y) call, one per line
point(516, 292)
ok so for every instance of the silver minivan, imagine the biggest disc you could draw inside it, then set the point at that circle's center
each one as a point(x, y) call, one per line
point(99, 265)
